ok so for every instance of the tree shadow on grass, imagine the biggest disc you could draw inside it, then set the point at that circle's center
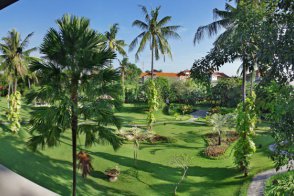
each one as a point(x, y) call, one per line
point(53, 174)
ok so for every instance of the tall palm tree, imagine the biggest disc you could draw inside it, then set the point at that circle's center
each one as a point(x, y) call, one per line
point(156, 32)
point(229, 20)
point(76, 81)
point(113, 43)
point(123, 69)
point(15, 57)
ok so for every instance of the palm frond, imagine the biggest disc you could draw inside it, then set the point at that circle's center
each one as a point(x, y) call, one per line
point(143, 42)
point(140, 24)
point(25, 42)
point(211, 29)
point(134, 43)
point(145, 12)
point(164, 21)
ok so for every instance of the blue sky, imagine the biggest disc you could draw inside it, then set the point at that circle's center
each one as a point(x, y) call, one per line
point(39, 15)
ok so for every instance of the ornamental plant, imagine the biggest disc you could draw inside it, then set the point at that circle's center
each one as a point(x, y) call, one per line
point(152, 103)
point(14, 111)
point(246, 121)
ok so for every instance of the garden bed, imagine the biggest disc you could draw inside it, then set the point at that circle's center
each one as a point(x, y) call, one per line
point(215, 150)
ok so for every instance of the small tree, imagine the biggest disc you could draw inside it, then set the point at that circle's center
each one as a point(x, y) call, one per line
point(181, 161)
point(139, 135)
point(219, 122)
point(246, 120)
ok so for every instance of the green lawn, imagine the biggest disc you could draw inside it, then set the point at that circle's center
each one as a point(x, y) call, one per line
point(154, 175)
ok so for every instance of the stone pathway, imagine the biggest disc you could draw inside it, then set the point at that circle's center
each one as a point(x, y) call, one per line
point(199, 114)
point(256, 187)
point(12, 184)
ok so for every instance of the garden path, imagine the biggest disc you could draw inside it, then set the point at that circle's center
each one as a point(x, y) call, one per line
point(256, 188)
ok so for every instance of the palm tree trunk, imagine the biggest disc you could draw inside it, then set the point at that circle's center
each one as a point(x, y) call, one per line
point(8, 95)
point(15, 85)
point(29, 83)
point(244, 85)
point(123, 84)
point(74, 129)
point(253, 75)
point(152, 61)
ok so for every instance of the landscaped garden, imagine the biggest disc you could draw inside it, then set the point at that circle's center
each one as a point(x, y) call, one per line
point(153, 173)
point(81, 117)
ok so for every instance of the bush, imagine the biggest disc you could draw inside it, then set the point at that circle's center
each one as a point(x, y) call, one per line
point(185, 109)
point(188, 92)
point(215, 151)
point(214, 110)
point(281, 184)
point(227, 92)
point(161, 139)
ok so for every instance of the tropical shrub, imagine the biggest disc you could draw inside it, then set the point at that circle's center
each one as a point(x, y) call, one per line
point(214, 110)
point(152, 103)
point(14, 111)
point(188, 92)
point(245, 147)
point(280, 184)
point(185, 109)
point(227, 92)
point(214, 149)
point(220, 122)
point(84, 163)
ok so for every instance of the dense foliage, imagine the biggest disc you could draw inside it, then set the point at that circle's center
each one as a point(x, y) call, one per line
point(14, 111)
point(246, 121)
point(152, 103)
point(188, 92)
point(280, 184)
point(278, 101)
point(227, 92)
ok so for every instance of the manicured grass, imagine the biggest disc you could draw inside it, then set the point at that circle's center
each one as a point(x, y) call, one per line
point(154, 174)
point(134, 114)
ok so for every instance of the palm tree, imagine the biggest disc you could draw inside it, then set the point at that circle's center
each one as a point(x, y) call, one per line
point(15, 57)
point(219, 122)
point(156, 33)
point(229, 19)
point(76, 81)
point(123, 69)
point(112, 42)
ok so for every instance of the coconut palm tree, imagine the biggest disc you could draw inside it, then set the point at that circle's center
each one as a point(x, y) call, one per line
point(156, 32)
point(229, 19)
point(113, 43)
point(76, 81)
point(15, 57)
point(123, 69)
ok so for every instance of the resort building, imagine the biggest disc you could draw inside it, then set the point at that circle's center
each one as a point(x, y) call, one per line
point(217, 76)
point(182, 75)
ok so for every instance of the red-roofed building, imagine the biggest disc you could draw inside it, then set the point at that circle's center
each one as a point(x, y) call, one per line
point(183, 75)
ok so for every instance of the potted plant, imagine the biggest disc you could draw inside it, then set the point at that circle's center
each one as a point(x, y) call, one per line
point(112, 173)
